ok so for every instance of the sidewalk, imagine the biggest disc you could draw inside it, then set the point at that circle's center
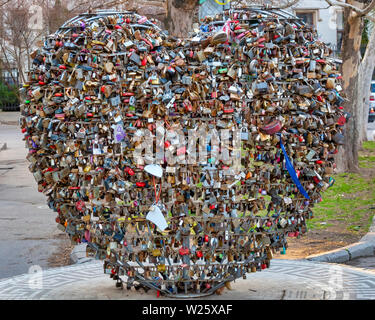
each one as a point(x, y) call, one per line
point(284, 280)
point(7, 117)
point(28, 233)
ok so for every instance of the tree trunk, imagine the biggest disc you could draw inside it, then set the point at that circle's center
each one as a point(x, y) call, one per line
point(347, 158)
point(180, 15)
point(150, 9)
point(368, 65)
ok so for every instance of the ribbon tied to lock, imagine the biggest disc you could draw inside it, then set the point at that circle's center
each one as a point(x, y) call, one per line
point(292, 171)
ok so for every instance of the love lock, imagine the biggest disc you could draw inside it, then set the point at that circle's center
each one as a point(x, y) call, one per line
point(234, 162)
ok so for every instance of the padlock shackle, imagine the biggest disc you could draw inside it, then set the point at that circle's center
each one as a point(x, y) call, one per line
point(91, 17)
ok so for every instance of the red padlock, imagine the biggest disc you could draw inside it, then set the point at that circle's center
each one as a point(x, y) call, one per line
point(80, 205)
point(341, 121)
point(127, 94)
point(184, 251)
point(74, 188)
point(140, 184)
point(144, 61)
point(231, 110)
point(315, 178)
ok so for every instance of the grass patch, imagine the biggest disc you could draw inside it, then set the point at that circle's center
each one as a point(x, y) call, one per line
point(368, 145)
point(366, 161)
point(366, 158)
point(350, 202)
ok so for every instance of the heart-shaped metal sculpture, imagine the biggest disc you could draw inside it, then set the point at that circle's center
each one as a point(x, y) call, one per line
point(183, 164)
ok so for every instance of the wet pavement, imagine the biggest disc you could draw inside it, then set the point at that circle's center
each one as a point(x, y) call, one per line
point(284, 280)
point(28, 233)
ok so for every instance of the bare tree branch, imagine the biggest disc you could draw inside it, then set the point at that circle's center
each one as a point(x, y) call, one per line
point(358, 11)
point(93, 5)
point(270, 3)
point(288, 4)
point(371, 18)
point(4, 3)
point(369, 8)
point(7, 64)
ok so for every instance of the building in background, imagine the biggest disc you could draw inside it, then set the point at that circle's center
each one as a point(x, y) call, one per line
point(10, 76)
point(328, 21)
point(211, 7)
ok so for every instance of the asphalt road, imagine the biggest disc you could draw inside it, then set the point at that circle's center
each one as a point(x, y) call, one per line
point(371, 131)
point(28, 233)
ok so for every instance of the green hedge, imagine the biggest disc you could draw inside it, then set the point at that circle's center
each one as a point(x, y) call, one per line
point(7, 95)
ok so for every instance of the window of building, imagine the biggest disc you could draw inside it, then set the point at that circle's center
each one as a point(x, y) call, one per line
point(309, 17)
point(340, 19)
point(340, 28)
point(339, 39)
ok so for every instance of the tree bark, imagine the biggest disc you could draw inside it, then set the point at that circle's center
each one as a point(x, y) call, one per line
point(179, 17)
point(150, 9)
point(368, 65)
point(347, 158)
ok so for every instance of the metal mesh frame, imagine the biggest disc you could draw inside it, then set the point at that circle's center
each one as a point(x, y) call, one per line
point(124, 267)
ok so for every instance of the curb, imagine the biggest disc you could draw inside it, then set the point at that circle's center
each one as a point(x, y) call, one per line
point(363, 248)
